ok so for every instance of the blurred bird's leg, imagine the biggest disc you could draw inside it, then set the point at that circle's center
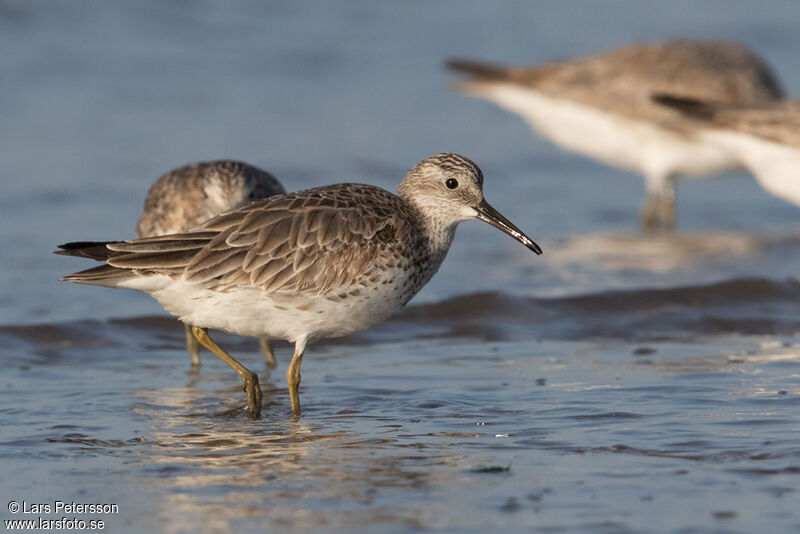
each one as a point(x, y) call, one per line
point(267, 350)
point(658, 209)
point(667, 210)
point(192, 345)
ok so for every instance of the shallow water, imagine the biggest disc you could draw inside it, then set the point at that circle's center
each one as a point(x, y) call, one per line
point(433, 432)
point(618, 383)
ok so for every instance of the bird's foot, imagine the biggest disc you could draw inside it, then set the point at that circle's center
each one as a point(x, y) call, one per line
point(252, 388)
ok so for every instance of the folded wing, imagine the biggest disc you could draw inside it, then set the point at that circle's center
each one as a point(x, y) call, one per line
point(305, 242)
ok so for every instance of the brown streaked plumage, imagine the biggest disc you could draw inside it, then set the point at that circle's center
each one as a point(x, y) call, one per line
point(600, 106)
point(299, 243)
point(189, 195)
point(301, 266)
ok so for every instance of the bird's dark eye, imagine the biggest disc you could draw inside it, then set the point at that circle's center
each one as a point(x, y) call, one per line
point(451, 183)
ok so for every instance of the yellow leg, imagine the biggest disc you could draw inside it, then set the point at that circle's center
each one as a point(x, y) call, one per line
point(249, 378)
point(192, 345)
point(293, 376)
point(269, 353)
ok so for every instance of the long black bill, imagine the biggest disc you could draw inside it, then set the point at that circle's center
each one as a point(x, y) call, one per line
point(490, 215)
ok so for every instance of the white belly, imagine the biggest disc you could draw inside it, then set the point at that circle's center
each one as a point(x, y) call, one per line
point(636, 145)
point(775, 166)
point(251, 312)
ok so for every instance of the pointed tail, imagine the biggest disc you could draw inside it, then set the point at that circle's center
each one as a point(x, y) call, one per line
point(478, 69)
point(95, 250)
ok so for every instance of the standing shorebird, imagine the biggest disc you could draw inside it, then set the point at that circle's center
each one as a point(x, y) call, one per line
point(600, 106)
point(187, 196)
point(764, 138)
point(303, 266)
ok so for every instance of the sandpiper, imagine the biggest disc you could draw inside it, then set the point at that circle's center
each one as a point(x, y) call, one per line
point(765, 138)
point(187, 196)
point(302, 266)
point(600, 106)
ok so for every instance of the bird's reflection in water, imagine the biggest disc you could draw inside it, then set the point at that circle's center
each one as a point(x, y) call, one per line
point(218, 469)
point(657, 253)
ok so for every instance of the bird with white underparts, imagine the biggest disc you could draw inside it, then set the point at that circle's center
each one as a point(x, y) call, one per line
point(600, 106)
point(303, 266)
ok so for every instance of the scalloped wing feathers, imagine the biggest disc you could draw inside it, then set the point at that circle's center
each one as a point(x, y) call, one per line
point(305, 242)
